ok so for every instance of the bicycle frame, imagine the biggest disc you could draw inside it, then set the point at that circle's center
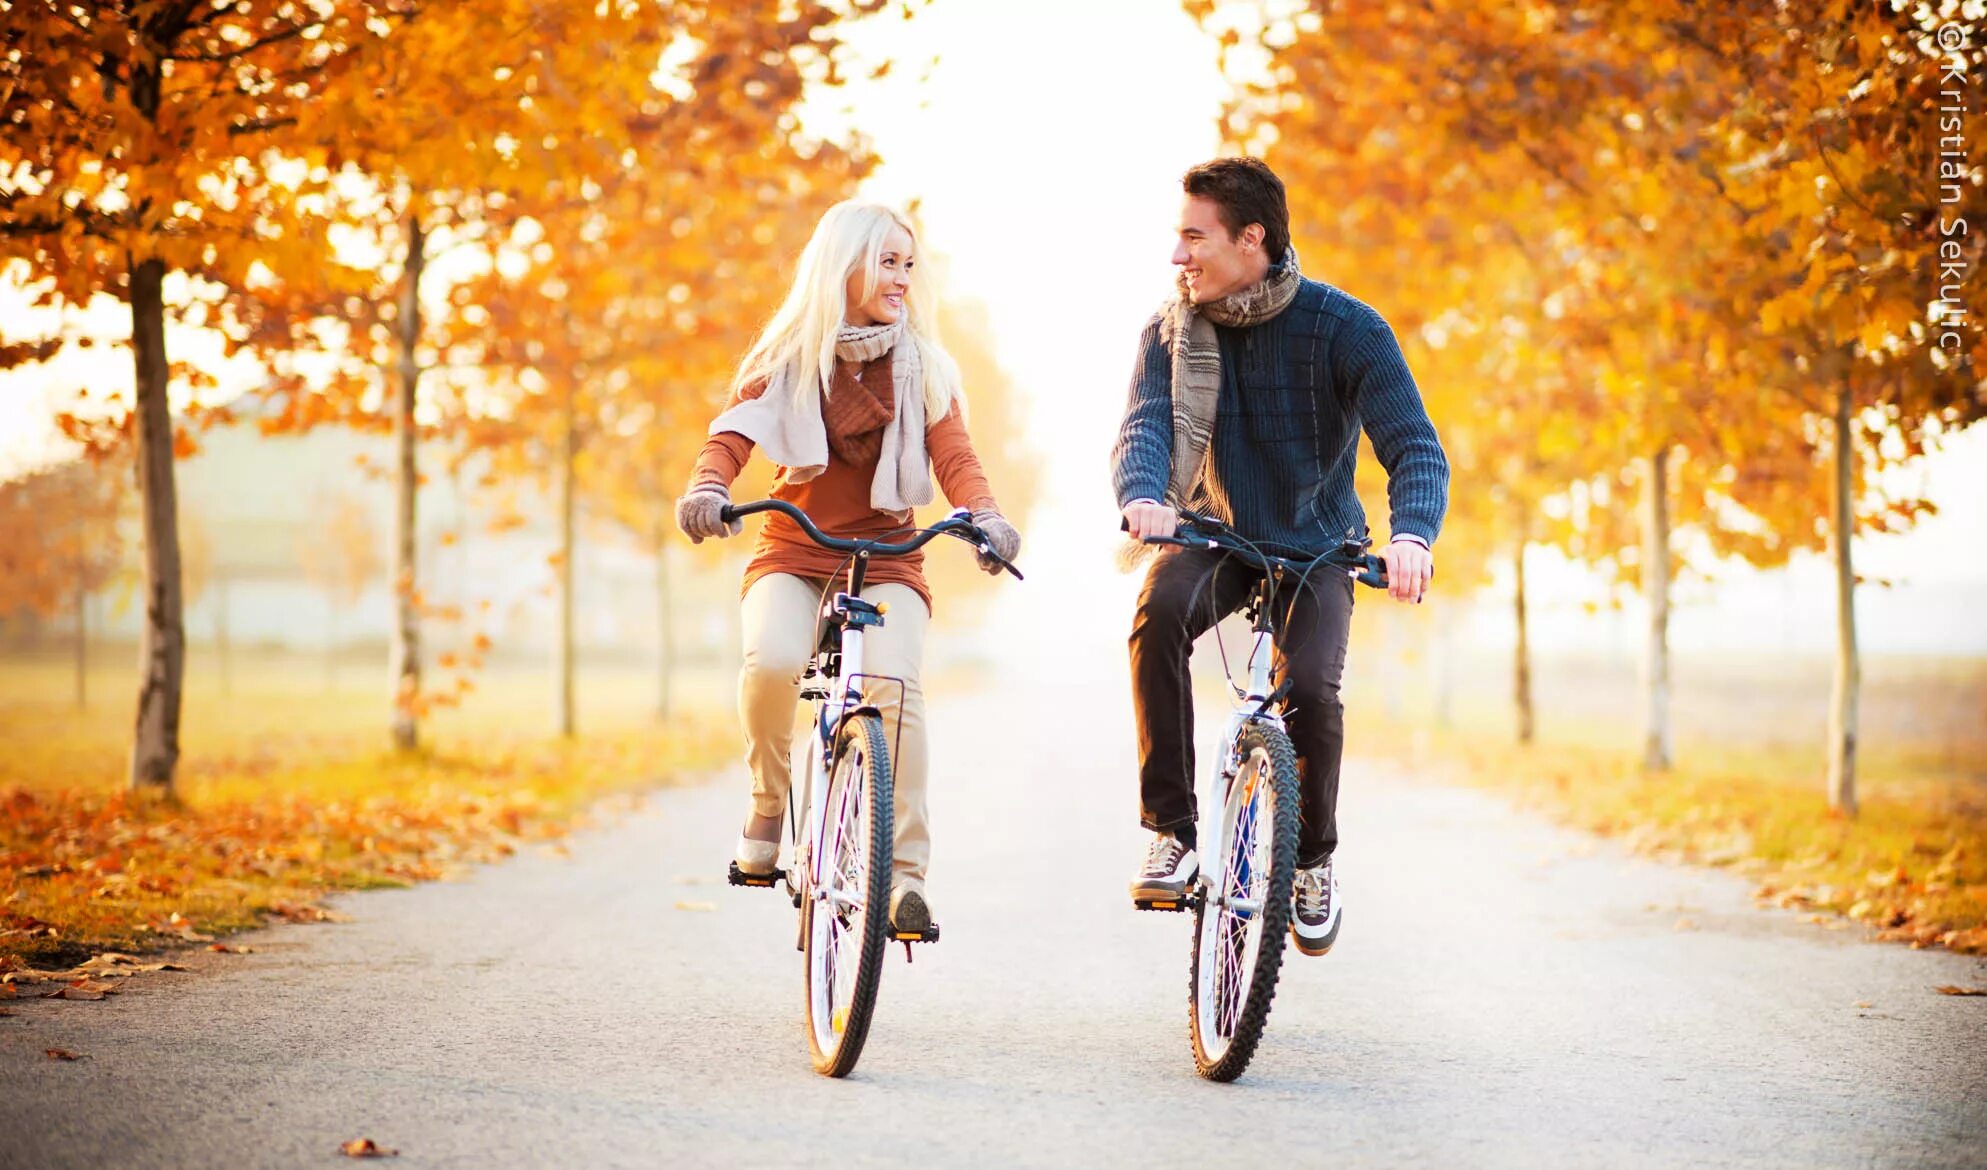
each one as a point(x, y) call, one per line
point(853, 614)
point(1266, 709)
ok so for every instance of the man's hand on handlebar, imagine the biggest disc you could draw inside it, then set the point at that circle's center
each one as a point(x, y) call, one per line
point(1410, 567)
point(1144, 519)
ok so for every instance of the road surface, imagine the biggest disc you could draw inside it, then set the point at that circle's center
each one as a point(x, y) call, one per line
point(1505, 993)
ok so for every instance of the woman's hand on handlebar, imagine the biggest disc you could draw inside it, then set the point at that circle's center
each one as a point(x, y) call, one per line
point(700, 514)
point(1002, 539)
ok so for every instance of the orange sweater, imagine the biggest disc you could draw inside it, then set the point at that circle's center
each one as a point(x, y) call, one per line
point(862, 403)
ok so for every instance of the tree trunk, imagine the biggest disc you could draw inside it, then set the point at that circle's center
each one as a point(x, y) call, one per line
point(1658, 750)
point(82, 640)
point(221, 635)
point(1842, 711)
point(162, 644)
point(1523, 681)
point(404, 663)
point(665, 626)
point(563, 665)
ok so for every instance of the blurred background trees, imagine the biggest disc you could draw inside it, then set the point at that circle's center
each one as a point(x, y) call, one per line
point(1660, 266)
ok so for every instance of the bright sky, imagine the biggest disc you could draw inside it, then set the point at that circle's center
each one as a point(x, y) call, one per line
point(1046, 146)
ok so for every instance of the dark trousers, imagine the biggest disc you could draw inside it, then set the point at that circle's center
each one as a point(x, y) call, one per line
point(1186, 592)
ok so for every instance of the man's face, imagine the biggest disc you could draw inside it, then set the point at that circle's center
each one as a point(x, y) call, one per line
point(1216, 263)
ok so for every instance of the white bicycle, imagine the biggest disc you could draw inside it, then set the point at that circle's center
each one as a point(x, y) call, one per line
point(840, 876)
point(1241, 900)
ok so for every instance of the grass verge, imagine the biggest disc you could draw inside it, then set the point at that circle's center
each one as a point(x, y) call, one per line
point(284, 797)
point(1912, 864)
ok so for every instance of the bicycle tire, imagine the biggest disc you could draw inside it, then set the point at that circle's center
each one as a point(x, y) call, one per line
point(862, 759)
point(1227, 1060)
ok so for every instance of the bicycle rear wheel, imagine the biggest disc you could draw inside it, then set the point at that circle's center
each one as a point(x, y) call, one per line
point(849, 897)
point(1244, 910)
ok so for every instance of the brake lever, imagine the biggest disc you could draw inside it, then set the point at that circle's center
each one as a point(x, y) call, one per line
point(984, 547)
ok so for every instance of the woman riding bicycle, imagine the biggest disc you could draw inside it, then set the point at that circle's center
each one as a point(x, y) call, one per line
point(848, 391)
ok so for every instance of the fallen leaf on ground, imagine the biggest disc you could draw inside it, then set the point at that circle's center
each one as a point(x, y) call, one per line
point(8, 991)
point(1686, 924)
point(1949, 989)
point(366, 1148)
point(5, 1012)
point(555, 850)
point(296, 913)
point(698, 907)
point(62, 1054)
point(1864, 1003)
point(231, 949)
point(81, 989)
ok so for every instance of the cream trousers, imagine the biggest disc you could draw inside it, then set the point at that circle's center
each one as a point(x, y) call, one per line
point(781, 621)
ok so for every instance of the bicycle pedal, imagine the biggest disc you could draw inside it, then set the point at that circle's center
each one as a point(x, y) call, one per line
point(927, 935)
point(1167, 905)
point(739, 877)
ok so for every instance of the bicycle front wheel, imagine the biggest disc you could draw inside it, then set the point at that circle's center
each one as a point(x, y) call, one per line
point(1244, 910)
point(849, 897)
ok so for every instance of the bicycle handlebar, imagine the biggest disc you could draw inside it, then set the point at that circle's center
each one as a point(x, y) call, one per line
point(956, 524)
point(1200, 531)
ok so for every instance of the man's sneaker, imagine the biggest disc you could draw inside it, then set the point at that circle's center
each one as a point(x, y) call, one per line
point(909, 913)
point(1317, 904)
point(1169, 868)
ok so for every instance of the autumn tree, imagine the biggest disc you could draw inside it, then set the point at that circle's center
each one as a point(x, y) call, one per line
point(1728, 254)
point(140, 137)
point(59, 545)
point(553, 105)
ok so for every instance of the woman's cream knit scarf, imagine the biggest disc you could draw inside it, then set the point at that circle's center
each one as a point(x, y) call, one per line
point(791, 432)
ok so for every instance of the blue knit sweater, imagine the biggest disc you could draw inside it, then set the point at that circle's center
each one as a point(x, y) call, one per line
point(1295, 391)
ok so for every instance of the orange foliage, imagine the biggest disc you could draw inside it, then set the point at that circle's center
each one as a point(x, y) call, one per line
point(1607, 231)
point(59, 536)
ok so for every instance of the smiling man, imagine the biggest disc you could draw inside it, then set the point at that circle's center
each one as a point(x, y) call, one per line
point(1246, 405)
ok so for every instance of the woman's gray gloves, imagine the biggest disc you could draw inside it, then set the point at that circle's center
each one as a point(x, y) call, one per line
point(1001, 536)
point(697, 515)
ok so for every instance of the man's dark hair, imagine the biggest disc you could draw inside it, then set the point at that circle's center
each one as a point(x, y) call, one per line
point(1245, 191)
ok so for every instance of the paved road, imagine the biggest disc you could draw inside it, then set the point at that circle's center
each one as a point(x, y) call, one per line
point(1505, 994)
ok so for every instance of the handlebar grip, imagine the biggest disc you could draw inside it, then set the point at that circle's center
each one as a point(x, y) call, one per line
point(1374, 573)
point(1125, 526)
point(731, 512)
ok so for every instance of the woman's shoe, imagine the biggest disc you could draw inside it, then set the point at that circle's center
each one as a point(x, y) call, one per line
point(908, 912)
point(758, 858)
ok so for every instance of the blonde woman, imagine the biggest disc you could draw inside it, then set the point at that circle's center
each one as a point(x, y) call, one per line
point(848, 391)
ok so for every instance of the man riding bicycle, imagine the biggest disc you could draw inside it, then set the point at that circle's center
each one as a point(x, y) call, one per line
point(1246, 405)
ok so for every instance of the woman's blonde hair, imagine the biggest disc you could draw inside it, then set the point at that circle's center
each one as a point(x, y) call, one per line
point(800, 338)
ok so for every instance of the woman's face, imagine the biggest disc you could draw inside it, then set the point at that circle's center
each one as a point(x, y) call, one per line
point(885, 306)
